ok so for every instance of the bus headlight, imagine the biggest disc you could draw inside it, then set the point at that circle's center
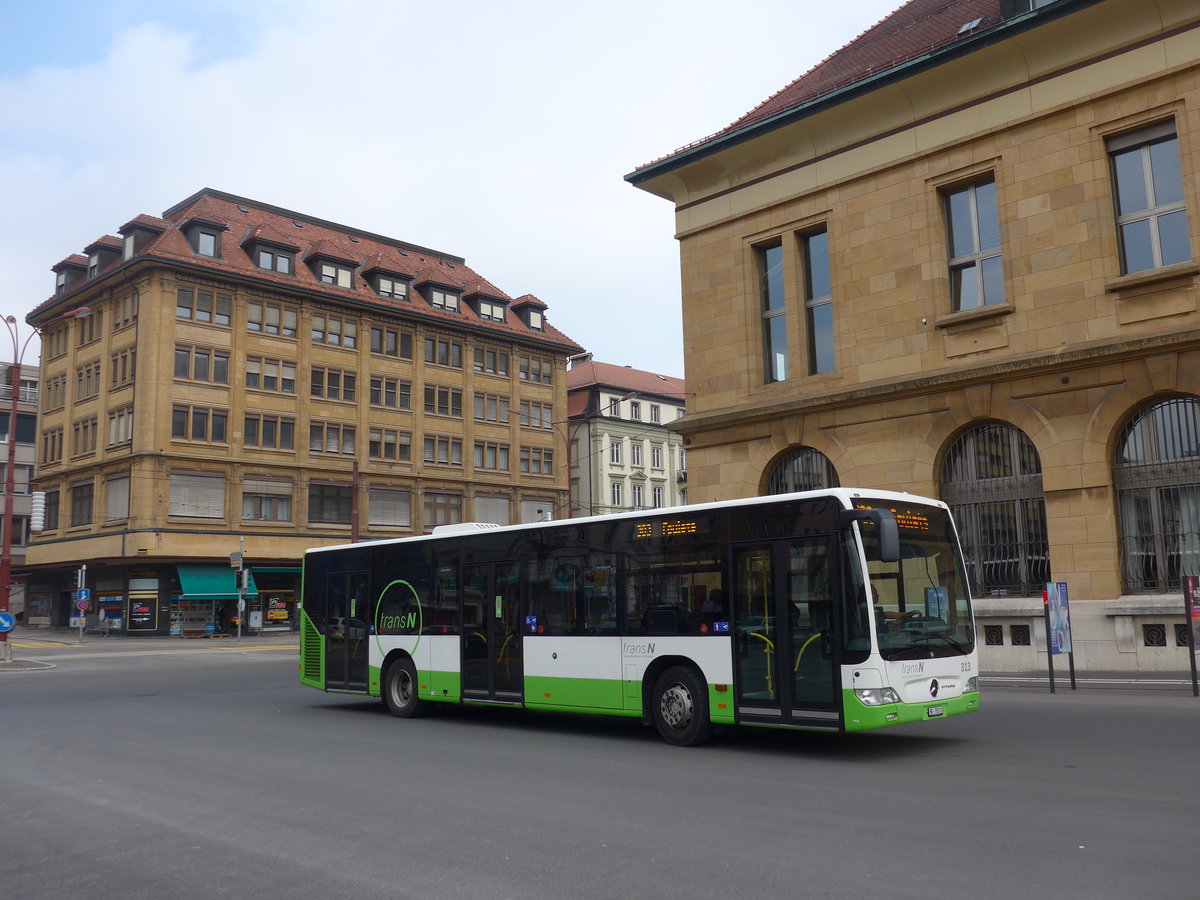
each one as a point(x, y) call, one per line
point(972, 685)
point(877, 696)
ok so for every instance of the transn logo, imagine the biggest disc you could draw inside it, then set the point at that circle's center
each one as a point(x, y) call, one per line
point(398, 623)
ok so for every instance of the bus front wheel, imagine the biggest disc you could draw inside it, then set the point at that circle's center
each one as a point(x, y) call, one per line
point(400, 692)
point(680, 707)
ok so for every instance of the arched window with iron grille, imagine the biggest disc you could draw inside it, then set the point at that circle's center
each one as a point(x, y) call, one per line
point(992, 482)
point(802, 469)
point(1156, 474)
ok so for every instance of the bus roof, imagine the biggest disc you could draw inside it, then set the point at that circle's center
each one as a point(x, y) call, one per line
point(846, 496)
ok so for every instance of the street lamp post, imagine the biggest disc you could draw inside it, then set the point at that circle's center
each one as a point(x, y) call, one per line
point(6, 539)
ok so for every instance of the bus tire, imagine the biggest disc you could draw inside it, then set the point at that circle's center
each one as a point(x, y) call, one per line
point(400, 691)
point(679, 706)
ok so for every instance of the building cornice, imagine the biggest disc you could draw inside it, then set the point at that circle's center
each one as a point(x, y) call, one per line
point(1035, 364)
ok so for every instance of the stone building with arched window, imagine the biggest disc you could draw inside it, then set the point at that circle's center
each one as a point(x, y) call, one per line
point(959, 258)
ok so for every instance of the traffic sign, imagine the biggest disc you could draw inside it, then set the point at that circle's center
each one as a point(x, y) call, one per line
point(83, 595)
point(7, 622)
point(81, 605)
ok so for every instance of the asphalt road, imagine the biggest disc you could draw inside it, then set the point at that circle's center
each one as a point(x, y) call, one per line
point(199, 772)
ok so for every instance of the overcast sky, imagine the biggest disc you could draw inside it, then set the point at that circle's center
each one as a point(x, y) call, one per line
point(499, 132)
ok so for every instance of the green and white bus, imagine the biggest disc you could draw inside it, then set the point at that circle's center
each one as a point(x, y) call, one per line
point(833, 610)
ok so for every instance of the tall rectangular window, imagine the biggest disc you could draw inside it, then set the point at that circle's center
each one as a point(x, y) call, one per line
point(774, 313)
point(442, 509)
point(81, 503)
point(973, 226)
point(818, 303)
point(1151, 216)
point(330, 503)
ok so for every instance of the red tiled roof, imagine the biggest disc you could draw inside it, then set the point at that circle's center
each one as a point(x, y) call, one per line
point(528, 300)
point(108, 242)
point(79, 262)
point(440, 272)
point(625, 378)
point(332, 250)
point(203, 211)
point(393, 263)
point(154, 223)
point(282, 227)
point(485, 288)
point(915, 29)
point(264, 232)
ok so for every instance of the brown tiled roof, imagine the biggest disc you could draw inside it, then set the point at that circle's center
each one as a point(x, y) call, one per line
point(625, 378)
point(528, 300)
point(285, 228)
point(915, 29)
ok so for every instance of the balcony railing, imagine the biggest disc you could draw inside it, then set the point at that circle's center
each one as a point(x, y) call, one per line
point(27, 395)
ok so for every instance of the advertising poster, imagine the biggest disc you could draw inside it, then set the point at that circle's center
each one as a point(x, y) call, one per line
point(1059, 614)
point(1191, 587)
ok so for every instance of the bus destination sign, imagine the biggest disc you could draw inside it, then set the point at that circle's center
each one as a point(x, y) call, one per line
point(669, 528)
point(907, 519)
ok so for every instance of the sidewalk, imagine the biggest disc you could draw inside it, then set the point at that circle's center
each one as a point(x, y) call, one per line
point(29, 644)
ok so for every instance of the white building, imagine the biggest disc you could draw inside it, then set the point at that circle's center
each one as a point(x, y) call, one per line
point(621, 453)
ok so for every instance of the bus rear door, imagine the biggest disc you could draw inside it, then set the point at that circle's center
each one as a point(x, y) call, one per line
point(785, 594)
point(346, 630)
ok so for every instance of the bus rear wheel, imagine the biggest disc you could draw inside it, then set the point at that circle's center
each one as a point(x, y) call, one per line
point(680, 707)
point(400, 693)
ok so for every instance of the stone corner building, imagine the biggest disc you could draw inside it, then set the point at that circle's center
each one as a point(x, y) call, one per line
point(251, 373)
point(958, 258)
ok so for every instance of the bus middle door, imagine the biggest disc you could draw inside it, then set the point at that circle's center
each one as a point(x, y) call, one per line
point(491, 655)
point(785, 597)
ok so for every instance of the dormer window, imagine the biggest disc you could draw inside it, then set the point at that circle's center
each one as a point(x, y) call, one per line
point(275, 260)
point(334, 273)
point(491, 310)
point(204, 237)
point(534, 319)
point(60, 283)
point(129, 245)
point(387, 286)
point(93, 264)
point(208, 243)
point(441, 299)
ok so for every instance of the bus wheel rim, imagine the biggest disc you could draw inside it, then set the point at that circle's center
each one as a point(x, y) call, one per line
point(676, 706)
point(402, 689)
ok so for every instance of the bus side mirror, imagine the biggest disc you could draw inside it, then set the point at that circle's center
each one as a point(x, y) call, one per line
point(885, 522)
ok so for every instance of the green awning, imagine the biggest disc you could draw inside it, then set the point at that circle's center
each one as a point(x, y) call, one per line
point(212, 582)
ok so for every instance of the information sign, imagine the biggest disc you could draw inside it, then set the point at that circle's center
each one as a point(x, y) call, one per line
point(7, 622)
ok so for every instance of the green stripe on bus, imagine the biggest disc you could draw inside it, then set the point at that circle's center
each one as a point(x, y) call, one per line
point(864, 718)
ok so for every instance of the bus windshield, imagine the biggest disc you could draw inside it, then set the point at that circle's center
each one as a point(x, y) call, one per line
point(921, 605)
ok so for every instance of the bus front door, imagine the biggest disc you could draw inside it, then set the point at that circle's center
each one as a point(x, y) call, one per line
point(784, 617)
point(491, 650)
point(346, 648)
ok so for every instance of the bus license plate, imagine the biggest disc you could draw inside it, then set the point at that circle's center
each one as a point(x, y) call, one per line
point(933, 711)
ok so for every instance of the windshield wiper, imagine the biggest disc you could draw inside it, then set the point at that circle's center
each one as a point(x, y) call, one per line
point(930, 635)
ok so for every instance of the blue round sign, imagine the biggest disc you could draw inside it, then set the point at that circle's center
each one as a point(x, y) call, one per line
point(7, 622)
